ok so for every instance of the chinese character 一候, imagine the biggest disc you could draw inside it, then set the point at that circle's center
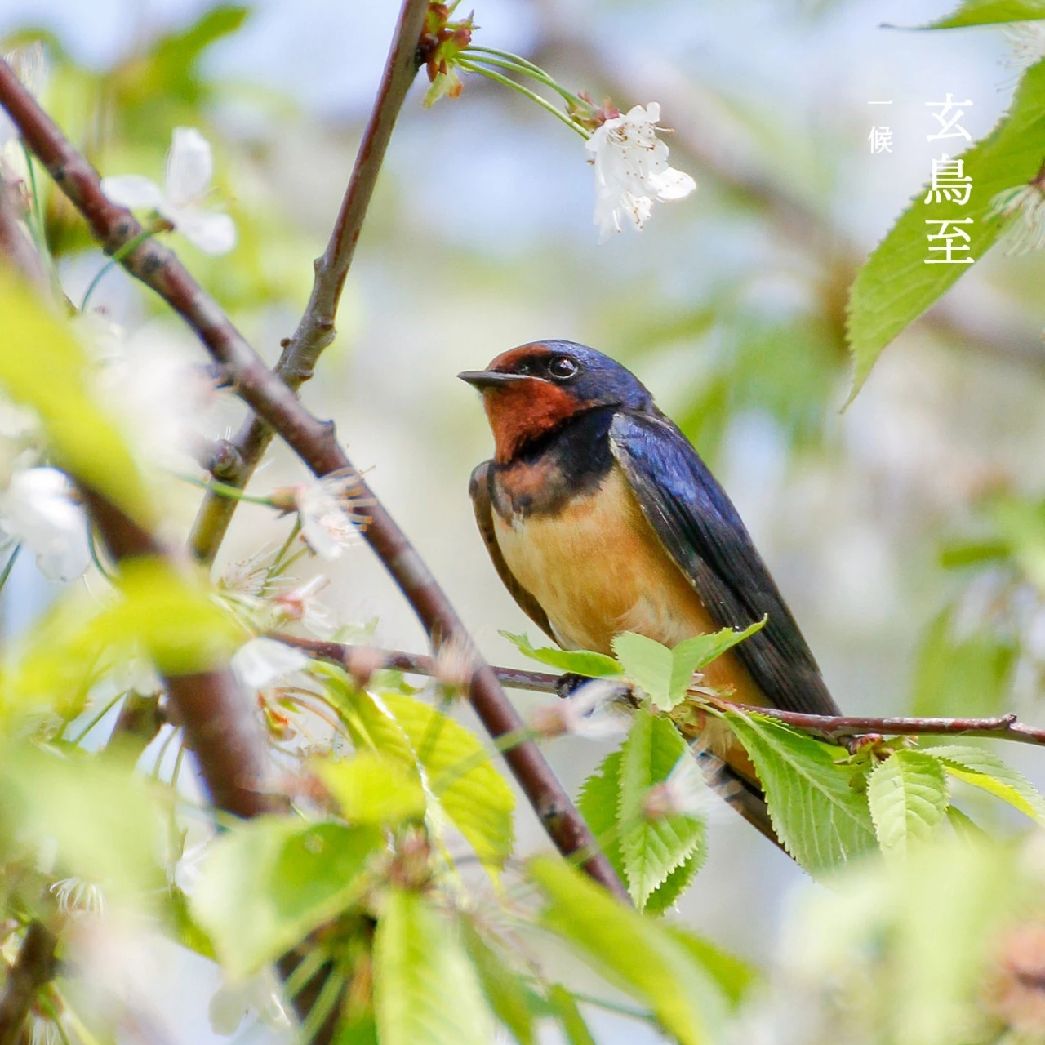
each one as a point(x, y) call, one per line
point(948, 241)
point(950, 183)
point(949, 118)
point(881, 139)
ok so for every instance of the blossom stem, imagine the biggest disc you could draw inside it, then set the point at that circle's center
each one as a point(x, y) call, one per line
point(533, 96)
point(221, 489)
point(505, 60)
point(9, 565)
point(117, 257)
point(98, 716)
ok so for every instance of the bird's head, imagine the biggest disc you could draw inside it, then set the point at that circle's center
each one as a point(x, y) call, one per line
point(535, 389)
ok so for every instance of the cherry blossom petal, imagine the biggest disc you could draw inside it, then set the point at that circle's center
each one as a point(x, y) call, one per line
point(132, 190)
point(189, 167)
point(212, 232)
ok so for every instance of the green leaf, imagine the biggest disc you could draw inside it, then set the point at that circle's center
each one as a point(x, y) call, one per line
point(990, 12)
point(564, 1005)
point(598, 802)
point(895, 286)
point(371, 788)
point(648, 664)
point(425, 988)
point(733, 976)
point(579, 662)
point(154, 612)
point(104, 821)
point(816, 812)
point(640, 955)
point(983, 769)
point(907, 795)
point(665, 674)
point(967, 675)
point(652, 849)
point(267, 883)
point(693, 654)
point(457, 774)
point(43, 366)
point(510, 998)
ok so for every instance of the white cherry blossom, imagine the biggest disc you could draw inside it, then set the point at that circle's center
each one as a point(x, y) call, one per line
point(593, 711)
point(190, 168)
point(631, 169)
point(38, 509)
point(260, 662)
point(329, 522)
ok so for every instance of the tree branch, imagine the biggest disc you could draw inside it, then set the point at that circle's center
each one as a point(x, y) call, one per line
point(316, 329)
point(315, 443)
point(34, 966)
point(832, 728)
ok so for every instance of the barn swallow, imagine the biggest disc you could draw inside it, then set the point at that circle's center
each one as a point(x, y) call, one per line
point(600, 517)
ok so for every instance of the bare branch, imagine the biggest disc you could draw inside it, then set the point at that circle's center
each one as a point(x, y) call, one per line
point(317, 326)
point(832, 728)
point(34, 966)
point(315, 443)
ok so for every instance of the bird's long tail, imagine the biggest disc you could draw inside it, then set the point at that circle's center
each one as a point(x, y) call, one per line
point(741, 792)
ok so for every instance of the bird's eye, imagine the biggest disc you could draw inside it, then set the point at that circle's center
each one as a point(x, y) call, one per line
point(562, 368)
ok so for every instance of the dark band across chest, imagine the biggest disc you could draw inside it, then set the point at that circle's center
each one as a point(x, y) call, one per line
point(549, 473)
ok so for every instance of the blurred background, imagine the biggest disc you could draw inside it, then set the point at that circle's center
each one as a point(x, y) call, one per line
point(906, 531)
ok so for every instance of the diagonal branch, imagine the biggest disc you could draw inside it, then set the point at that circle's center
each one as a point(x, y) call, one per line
point(316, 329)
point(315, 443)
point(833, 728)
point(34, 967)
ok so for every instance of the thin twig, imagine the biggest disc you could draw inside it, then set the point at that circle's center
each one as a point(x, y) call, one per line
point(832, 728)
point(315, 443)
point(34, 966)
point(316, 329)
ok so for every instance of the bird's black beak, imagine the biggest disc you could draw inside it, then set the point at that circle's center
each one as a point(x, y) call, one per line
point(489, 378)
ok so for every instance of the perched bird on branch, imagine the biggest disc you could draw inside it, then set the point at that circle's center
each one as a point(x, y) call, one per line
point(601, 518)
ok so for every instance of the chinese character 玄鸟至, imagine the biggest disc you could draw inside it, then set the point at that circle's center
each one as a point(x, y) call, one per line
point(950, 183)
point(949, 118)
point(948, 241)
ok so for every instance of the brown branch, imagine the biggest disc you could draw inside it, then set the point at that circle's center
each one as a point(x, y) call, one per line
point(316, 329)
point(34, 967)
point(832, 728)
point(315, 443)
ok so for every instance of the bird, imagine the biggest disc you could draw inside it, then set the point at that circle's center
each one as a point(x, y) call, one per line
point(600, 517)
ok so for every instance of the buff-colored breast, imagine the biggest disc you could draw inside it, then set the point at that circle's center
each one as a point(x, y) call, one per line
point(597, 569)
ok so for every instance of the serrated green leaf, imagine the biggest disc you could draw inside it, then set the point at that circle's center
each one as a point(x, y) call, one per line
point(510, 998)
point(425, 988)
point(665, 896)
point(990, 12)
point(652, 849)
point(648, 664)
point(983, 769)
point(45, 367)
point(895, 286)
point(693, 654)
point(564, 1005)
point(579, 662)
point(598, 802)
point(267, 883)
point(635, 952)
point(816, 812)
point(907, 795)
point(372, 788)
point(458, 776)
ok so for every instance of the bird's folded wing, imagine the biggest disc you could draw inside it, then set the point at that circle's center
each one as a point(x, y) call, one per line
point(701, 530)
point(479, 488)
